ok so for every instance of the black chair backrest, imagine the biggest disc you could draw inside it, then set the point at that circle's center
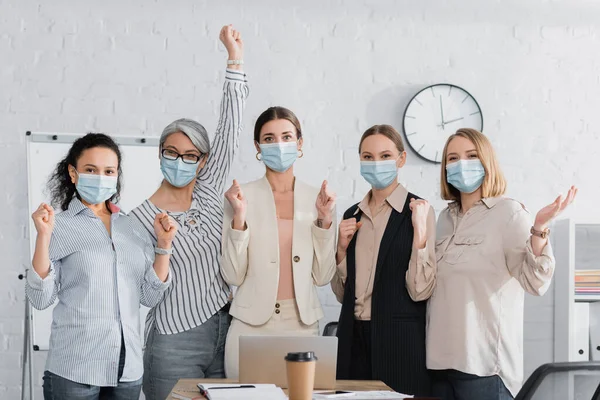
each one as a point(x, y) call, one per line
point(330, 329)
point(535, 380)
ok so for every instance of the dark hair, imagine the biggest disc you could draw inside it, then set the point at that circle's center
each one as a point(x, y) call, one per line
point(273, 113)
point(386, 130)
point(61, 188)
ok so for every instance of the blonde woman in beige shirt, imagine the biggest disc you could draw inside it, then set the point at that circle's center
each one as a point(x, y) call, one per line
point(488, 255)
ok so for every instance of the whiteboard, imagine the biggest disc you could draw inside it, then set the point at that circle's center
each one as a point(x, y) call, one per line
point(141, 178)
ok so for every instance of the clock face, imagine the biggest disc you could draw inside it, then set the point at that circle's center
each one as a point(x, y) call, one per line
point(435, 113)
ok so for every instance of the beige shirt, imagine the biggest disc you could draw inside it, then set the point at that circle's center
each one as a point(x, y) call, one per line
point(420, 277)
point(485, 264)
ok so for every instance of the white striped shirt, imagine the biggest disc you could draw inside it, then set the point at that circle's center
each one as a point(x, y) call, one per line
point(198, 290)
point(100, 283)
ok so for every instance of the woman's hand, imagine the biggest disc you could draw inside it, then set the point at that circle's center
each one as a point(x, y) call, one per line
point(420, 211)
point(43, 219)
point(325, 204)
point(551, 211)
point(238, 202)
point(165, 229)
point(348, 228)
point(232, 39)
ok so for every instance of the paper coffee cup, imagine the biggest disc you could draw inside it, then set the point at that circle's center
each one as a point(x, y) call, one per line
point(301, 375)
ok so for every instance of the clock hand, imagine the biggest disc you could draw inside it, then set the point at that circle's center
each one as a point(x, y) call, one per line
point(454, 120)
point(442, 112)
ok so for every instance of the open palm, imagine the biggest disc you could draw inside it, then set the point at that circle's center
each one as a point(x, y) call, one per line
point(551, 211)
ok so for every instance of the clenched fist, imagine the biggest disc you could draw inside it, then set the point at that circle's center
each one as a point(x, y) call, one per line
point(43, 219)
point(348, 228)
point(420, 212)
point(165, 229)
point(232, 39)
point(238, 203)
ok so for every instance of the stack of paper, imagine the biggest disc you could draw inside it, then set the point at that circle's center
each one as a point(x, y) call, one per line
point(246, 391)
point(587, 282)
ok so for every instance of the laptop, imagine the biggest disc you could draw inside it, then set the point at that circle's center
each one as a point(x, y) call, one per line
point(262, 358)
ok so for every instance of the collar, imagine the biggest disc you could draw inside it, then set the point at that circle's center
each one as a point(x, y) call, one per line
point(396, 200)
point(76, 206)
point(489, 202)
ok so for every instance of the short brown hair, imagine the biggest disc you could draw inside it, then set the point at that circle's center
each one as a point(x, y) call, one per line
point(493, 184)
point(386, 130)
point(273, 113)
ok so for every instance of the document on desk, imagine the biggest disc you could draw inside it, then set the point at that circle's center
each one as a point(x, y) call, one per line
point(246, 391)
point(374, 394)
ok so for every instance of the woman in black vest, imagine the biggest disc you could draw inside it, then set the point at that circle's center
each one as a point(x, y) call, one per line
point(384, 273)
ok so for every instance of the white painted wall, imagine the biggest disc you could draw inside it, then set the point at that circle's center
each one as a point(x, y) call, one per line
point(130, 67)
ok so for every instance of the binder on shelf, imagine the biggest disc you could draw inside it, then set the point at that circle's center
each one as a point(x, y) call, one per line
point(594, 331)
point(581, 333)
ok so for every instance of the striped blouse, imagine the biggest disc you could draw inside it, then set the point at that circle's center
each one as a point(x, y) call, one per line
point(198, 291)
point(100, 283)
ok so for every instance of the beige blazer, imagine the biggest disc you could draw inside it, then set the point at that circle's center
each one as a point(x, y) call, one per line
point(251, 257)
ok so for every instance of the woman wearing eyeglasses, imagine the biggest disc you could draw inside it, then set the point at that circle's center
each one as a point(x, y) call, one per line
point(185, 333)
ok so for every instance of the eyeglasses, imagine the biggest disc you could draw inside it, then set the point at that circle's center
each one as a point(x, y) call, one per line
point(186, 158)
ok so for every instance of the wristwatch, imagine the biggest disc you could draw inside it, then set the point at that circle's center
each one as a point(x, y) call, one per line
point(158, 250)
point(543, 234)
point(235, 62)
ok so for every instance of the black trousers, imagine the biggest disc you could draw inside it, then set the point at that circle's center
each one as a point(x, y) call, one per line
point(360, 354)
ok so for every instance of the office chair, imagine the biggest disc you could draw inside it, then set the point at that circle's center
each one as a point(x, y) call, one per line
point(330, 329)
point(552, 381)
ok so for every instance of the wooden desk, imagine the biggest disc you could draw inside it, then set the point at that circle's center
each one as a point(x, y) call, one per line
point(187, 387)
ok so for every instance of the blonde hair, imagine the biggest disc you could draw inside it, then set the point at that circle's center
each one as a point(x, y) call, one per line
point(493, 184)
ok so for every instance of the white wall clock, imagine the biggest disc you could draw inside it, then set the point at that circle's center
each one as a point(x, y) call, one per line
point(435, 113)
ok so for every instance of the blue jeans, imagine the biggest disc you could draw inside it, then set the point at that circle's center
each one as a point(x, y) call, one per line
point(456, 385)
point(59, 388)
point(196, 353)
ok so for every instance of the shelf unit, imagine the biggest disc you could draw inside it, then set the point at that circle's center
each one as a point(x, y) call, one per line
point(564, 235)
point(579, 298)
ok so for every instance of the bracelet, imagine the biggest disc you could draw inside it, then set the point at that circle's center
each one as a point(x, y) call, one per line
point(163, 252)
point(542, 234)
point(235, 62)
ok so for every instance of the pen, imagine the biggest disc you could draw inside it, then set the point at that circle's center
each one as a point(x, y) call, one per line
point(204, 392)
point(233, 387)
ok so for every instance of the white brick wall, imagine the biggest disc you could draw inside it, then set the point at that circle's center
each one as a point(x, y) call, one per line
point(130, 67)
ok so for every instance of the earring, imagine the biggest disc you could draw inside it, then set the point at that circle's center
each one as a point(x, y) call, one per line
point(301, 153)
point(258, 156)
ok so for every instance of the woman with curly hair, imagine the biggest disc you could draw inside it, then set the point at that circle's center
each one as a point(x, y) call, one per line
point(101, 265)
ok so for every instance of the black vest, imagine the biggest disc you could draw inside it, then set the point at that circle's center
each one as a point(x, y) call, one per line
point(397, 322)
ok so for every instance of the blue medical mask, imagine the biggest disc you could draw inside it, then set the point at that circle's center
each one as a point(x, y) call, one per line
point(380, 174)
point(96, 189)
point(279, 156)
point(176, 172)
point(465, 175)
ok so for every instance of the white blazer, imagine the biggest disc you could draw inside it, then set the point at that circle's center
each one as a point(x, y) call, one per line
point(251, 257)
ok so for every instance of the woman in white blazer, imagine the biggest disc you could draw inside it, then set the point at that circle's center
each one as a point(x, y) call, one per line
point(278, 241)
